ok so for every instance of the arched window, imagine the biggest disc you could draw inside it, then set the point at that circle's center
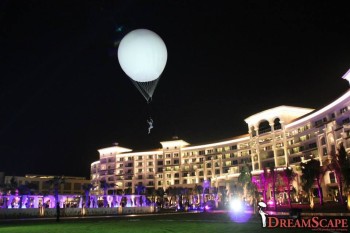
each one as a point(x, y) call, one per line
point(277, 124)
point(264, 127)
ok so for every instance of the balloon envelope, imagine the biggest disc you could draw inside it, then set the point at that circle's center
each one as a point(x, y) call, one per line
point(142, 55)
point(262, 204)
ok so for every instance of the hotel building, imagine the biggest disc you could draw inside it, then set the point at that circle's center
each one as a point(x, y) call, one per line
point(277, 137)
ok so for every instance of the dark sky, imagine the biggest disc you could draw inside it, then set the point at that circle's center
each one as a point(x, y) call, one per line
point(63, 94)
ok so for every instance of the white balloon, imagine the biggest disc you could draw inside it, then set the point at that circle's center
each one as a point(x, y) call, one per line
point(142, 55)
point(262, 204)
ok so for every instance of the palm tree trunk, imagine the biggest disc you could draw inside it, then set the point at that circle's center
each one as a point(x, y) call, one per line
point(274, 195)
point(311, 198)
point(245, 191)
point(87, 199)
point(274, 189)
point(320, 194)
point(340, 187)
point(56, 196)
point(105, 198)
point(289, 199)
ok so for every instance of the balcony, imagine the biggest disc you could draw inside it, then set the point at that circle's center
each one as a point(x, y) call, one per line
point(264, 131)
point(266, 155)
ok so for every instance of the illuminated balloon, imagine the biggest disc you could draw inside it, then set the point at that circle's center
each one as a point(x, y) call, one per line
point(262, 204)
point(142, 55)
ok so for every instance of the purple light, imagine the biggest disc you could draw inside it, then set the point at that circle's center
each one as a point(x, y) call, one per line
point(270, 202)
point(240, 217)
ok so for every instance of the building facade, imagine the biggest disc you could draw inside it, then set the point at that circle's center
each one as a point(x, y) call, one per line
point(71, 184)
point(278, 137)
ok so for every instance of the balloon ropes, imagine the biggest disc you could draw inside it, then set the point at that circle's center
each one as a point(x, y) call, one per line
point(142, 55)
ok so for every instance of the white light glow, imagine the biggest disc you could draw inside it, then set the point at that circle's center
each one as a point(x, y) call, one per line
point(236, 205)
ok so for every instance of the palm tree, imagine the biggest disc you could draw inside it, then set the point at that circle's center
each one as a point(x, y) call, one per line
point(160, 193)
point(105, 186)
point(139, 190)
point(179, 193)
point(198, 189)
point(273, 177)
point(309, 174)
point(12, 186)
point(87, 188)
point(215, 191)
point(264, 180)
point(185, 192)
point(318, 172)
point(288, 177)
point(339, 165)
point(342, 158)
point(170, 193)
point(223, 191)
point(56, 182)
point(244, 179)
point(27, 188)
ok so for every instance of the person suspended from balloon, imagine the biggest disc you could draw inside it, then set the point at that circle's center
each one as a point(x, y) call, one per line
point(150, 125)
point(142, 55)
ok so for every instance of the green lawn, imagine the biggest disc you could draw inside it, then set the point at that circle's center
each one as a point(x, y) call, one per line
point(186, 222)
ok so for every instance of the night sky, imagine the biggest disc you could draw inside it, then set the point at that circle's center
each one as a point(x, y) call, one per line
point(63, 94)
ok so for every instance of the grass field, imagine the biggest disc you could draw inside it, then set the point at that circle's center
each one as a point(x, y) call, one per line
point(178, 223)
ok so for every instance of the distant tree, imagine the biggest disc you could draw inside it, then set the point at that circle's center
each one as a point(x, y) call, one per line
point(179, 194)
point(140, 189)
point(223, 192)
point(128, 190)
point(198, 190)
point(160, 196)
point(216, 192)
point(104, 185)
point(185, 193)
point(27, 188)
point(56, 182)
point(171, 193)
point(153, 193)
point(2, 189)
point(235, 189)
point(160, 192)
point(12, 186)
point(87, 188)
